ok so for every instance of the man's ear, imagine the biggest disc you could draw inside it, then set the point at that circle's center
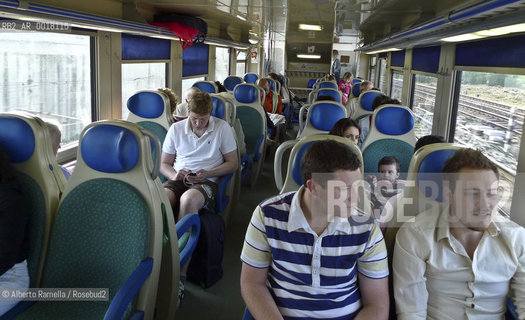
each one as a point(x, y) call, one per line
point(311, 186)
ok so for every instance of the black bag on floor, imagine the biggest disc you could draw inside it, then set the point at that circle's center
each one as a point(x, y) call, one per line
point(205, 267)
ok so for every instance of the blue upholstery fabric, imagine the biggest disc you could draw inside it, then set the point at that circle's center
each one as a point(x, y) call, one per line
point(368, 99)
point(272, 83)
point(110, 149)
point(429, 173)
point(205, 87)
point(327, 84)
point(297, 172)
point(12, 131)
point(231, 82)
point(219, 110)
point(99, 213)
point(251, 126)
point(334, 94)
point(251, 77)
point(394, 121)
point(387, 147)
point(356, 89)
point(355, 80)
point(311, 83)
point(324, 115)
point(35, 202)
point(246, 94)
point(149, 105)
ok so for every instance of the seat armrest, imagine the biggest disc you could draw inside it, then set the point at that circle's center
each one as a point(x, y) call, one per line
point(221, 201)
point(188, 221)
point(129, 289)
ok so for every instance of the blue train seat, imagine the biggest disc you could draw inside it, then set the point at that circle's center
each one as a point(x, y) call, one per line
point(26, 141)
point(331, 92)
point(363, 107)
point(391, 134)
point(311, 83)
point(152, 110)
point(231, 81)
point(356, 80)
point(321, 117)
point(112, 201)
point(327, 84)
point(224, 109)
point(206, 86)
point(293, 179)
point(253, 120)
point(356, 89)
point(251, 77)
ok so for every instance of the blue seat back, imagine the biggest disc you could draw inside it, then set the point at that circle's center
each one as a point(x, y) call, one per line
point(356, 89)
point(231, 81)
point(250, 78)
point(26, 141)
point(429, 173)
point(206, 86)
point(322, 116)
point(334, 93)
point(327, 84)
point(311, 83)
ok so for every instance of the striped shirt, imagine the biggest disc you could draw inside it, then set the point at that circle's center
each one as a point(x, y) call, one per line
point(311, 276)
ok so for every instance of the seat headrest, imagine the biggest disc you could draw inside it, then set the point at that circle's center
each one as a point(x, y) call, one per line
point(219, 109)
point(109, 148)
point(329, 92)
point(429, 173)
point(311, 83)
point(246, 93)
point(394, 121)
point(17, 139)
point(251, 77)
point(367, 99)
point(297, 172)
point(323, 115)
point(327, 84)
point(205, 86)
point(231, 82)
point(355, 80)
point(149, 105)
point(356, 89)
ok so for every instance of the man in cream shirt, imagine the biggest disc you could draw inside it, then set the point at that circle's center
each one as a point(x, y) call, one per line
point(460, 260)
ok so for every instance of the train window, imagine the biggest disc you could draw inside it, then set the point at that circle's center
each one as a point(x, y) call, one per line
point(396, 85)
point(490, 118)
point(382, 74)
point(222, 63)
point(241, 63)
point(141, 76)
point(373, 63)
point(422, 103)
point(188, 83)
point(48, 75)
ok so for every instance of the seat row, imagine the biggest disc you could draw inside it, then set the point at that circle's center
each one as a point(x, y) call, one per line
point(111, 226)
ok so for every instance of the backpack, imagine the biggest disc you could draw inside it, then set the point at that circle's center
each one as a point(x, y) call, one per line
point(205, 267)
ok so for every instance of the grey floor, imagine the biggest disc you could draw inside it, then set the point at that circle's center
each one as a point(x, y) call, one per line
point(223, 300)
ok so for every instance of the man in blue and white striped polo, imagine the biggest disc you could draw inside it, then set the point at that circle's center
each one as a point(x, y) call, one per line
point(302, 259)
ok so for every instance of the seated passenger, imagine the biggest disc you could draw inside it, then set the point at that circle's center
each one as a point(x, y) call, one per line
point(461, 260)
point(296, 258)
point(56, 138)
point(270, 101)
point(381, 100)
point(423, 141)
point(182, 108)
point(14, 242)
point(173, 100)
point(345, 86)
point(389, 185)
point(347, 128)
point(195, 153)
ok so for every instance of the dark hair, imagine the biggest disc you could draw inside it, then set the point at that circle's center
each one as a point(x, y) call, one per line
point(325, 98)
point(328, 156)
point(7, 171)
point(382, 99)
point(388, 160)
point(466, 158)
point(343, 124)
point(423, 141)
point(220, 87)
